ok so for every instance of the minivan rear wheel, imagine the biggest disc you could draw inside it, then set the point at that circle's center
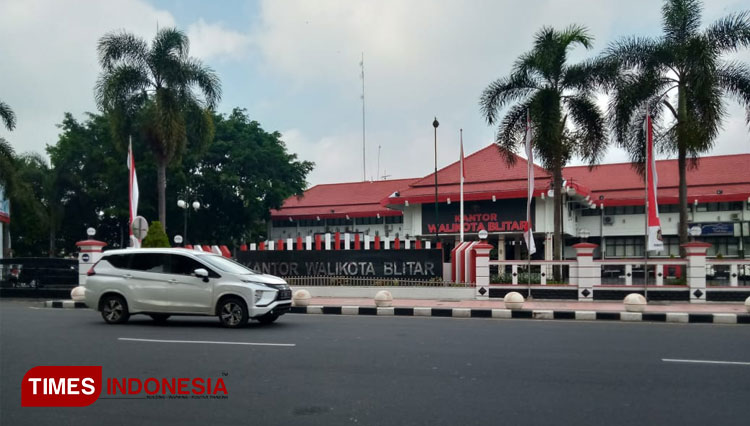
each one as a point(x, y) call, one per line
point(114, 309)
point(232, 312)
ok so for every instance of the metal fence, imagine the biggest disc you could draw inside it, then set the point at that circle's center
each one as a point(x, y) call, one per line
point(329, 281)
point(38, 272)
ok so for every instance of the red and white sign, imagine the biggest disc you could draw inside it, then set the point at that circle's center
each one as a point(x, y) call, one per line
point(61, 386)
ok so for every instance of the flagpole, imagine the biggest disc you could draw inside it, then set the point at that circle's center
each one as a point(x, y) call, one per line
point(461, 185)
point(645, 211)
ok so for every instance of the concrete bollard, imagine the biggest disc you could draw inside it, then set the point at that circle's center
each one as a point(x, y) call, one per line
point(747, 303)
point(513, 300)
point(634, 302)
point(383, 298)
point(301, 298)
point(77, 294)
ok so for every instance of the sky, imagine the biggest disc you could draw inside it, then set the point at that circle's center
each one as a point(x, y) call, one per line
point(294, 65)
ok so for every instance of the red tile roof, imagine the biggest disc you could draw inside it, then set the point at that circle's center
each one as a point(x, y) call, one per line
point(356, 199)
point(716, 178)
point(487, 174)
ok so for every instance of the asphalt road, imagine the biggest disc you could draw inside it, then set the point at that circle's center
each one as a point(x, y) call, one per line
point(389, 370)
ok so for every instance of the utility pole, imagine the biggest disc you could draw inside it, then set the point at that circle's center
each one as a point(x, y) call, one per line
point(435, 125)
point(362, 75)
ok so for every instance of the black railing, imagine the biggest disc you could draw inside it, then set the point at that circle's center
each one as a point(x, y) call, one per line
point(38, 273)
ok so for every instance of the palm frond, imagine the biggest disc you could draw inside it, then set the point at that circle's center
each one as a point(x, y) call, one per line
point(730, 32)
point(576, 34)
point(119, 85)
point(590, 128)
point(7, 116)
point(503, 91)
point(600, 73)
point(121, 47)
point(511, 131)
point(681, 19)
point(734, 78)
point(205, 78)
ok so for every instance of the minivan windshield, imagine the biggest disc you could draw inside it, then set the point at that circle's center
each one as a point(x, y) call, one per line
point(226, 265)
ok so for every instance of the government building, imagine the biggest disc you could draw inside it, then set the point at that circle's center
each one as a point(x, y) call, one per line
point(604, 205)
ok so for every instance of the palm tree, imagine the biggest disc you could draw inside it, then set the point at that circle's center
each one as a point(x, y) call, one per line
point(682, 78)
point(7, 116)
point(560, 101)
point(153, 88)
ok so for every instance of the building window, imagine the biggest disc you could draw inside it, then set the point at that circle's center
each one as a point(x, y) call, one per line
point(394, 219)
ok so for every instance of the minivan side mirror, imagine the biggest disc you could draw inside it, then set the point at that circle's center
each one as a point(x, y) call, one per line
point(201, 273)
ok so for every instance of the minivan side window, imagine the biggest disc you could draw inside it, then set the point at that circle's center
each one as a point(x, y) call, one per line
point(119, 261)
point(150, 262)
point(183, 265)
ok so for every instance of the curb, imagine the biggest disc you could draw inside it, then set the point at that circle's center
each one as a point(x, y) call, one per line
point(666, 317)
point(65, 304)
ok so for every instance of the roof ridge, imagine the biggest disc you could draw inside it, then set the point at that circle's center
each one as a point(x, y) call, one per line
point(662, 160)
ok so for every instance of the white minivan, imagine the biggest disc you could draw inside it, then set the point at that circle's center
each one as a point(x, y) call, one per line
point(165, 282)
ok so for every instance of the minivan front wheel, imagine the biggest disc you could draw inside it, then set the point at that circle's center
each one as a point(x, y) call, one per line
point(114, 309)
point(232, 313)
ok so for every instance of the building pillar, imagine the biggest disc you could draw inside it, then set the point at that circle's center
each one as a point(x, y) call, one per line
point(588, 272)
point(733, 275)
point(501, 247)
point(89, 252)
point(482, 265)
point(696, 270)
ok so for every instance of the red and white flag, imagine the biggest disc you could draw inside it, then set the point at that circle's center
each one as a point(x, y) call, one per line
point(132, 187)
point(655, 242)
point(461, 186)
point(528, 236)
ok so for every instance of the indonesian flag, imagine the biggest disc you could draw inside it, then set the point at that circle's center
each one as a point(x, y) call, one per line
point(132, 187)
point(461, 186)
point(655, 242)
point(529, 234)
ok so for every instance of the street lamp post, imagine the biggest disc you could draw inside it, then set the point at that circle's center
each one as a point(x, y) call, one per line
point(185, 206)
point(435, 125)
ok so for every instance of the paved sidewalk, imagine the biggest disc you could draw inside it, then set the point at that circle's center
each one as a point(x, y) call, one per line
point(737, 307)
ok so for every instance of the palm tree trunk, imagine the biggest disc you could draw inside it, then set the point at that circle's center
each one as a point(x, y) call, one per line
point(682, 164)
point(161, 187)
point(558, 237)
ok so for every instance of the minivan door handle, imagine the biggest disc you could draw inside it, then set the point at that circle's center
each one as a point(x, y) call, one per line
point(127, 276)
point(173, 280)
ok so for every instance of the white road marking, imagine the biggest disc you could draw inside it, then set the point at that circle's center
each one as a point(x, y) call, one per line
point(206, 342)
point(701, 361)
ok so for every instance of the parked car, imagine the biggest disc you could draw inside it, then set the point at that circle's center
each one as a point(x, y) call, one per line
point(165, 282)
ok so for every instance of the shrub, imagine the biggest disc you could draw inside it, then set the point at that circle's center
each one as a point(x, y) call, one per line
point(156, 236)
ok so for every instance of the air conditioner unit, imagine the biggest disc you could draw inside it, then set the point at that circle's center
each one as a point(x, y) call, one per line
point(734, 216)
point(609, 220)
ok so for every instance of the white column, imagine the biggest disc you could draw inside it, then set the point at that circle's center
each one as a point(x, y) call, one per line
point(407, 244)
point(733, 273)
point(659, 274)
point(308, 242)
point(367, 242)
point(482, 288)
point(589, 273)
point(514, 273)
point(428, 244)
point(90, 251)
point(289, 244)
point(346, 241)
point(328, 240)
point(271, 245)
point(696, 270)
point(253, 247)
point(628, 274)
point(386, 243)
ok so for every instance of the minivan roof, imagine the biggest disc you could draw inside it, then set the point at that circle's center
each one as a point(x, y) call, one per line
point(175, 250)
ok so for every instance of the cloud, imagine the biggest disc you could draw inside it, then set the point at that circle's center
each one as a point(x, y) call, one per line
point(421, 59)
point(214, 41)
point(49, 64)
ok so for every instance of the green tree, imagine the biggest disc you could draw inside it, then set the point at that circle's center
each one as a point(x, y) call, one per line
point(559, 98)
point(683, 78)
point(156, 236)
point(244, 174)
point(30, 225)
point(7, 116)
point(155, 89)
